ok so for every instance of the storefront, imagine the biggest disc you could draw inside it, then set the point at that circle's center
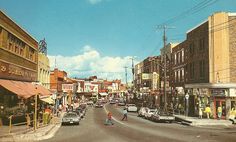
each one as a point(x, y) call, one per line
point(213, 95)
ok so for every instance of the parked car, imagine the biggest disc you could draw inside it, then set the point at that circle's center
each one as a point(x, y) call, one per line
point(70, 118)
point(132, 108)
point(142, 111)
point(81, 112)
point(149, 113)
point(162, 116)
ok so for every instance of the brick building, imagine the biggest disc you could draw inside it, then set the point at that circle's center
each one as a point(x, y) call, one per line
point(166, 52)
point(147, 79)
point(18, 66)
point(209, 66)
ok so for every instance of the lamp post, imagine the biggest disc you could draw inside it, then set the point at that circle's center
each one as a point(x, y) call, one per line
point(35, 108)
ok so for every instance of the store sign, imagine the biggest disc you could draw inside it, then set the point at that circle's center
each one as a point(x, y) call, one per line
point(9, 71)
point(218, 92)
point(145, 76)
point(203, 91)
point(67, 87)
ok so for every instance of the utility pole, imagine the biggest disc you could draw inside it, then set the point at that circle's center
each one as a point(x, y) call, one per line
point(164, 27)
point(126, 76)
point(126, 83)
point(132, 58)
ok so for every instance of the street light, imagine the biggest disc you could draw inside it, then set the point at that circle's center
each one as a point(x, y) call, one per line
point(35, 107)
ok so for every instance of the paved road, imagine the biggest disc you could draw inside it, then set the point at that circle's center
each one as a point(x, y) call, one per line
point(92, 129)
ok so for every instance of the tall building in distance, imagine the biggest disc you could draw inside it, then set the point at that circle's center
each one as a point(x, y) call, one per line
point(147, 79)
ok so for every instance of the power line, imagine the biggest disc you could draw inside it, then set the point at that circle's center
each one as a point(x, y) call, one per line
point(203, 4)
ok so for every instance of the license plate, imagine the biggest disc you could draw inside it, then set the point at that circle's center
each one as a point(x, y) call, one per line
point(71, 121)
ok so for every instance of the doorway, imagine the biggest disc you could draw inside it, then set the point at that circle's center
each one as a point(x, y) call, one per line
point(220, 102)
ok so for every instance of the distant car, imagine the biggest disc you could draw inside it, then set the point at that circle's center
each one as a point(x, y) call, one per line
point(90, 103)
point(162, 116)
point(112, 102)
point(98, 105)
point(142, 111)
point(132, 108)
point(149, 113)
point(70, 118)
point(121, 103)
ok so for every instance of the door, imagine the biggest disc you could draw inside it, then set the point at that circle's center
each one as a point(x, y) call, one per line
point(223, 105)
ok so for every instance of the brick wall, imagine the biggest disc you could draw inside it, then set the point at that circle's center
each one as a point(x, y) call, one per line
point(232, 48)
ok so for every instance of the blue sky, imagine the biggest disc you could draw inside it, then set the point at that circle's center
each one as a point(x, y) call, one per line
point(114, 29)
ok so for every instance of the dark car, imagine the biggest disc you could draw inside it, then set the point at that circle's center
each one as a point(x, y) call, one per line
point(70, 118)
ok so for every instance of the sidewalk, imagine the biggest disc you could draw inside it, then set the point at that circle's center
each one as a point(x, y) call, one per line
point(195, 121)
point(44, 132)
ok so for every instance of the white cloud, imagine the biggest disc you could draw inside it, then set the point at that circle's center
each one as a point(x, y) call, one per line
point(89, 62)
point(95, 1)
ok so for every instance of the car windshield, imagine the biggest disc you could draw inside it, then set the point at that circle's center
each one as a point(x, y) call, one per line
point(70, 115)
point(131, 105)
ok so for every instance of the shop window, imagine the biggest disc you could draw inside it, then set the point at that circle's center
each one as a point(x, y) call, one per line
point(233, 105)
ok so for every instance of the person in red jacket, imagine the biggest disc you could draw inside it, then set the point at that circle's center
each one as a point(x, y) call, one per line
point(109, 119)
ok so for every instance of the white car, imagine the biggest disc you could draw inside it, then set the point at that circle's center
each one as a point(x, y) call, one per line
point(132, 108)
point(149, 113)
point(142, 111)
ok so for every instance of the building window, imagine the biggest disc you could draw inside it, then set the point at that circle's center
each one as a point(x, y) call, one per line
point(202, 68)
point(192, 70)
point(178, 57)
point(182, 74)
point(179, 76)
point(175, 59)
point(182, 55)
point(31, 54)
point(201, 44)
point(191, 48)
point(175, 76)
point(16, 49)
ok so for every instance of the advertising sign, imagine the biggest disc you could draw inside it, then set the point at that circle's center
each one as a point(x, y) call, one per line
point(10, 71)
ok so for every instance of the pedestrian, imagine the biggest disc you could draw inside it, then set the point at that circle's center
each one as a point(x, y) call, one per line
point(219, 112)
point(109, 119)
point(208, 111)
point(200, 113)
point(125, 114)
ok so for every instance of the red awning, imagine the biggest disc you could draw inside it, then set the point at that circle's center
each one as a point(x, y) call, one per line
point(24, 89)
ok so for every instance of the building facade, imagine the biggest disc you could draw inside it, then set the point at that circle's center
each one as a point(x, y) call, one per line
point(166, 54)
point(18, 66)
point(209, 66)
point(44, 70)
point(147, 80)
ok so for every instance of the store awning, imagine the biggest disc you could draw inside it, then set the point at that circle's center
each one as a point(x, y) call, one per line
point(103, 94)
point(48, 99)
point(24, 89)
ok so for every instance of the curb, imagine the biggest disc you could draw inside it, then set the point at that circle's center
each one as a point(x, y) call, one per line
point(37, 136)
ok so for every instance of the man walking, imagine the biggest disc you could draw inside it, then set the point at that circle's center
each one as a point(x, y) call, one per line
point(125, 114)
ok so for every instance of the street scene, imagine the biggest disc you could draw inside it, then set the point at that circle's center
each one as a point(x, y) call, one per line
point(115, 70)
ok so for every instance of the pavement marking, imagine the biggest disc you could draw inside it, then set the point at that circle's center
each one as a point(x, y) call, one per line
point(114, 117)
